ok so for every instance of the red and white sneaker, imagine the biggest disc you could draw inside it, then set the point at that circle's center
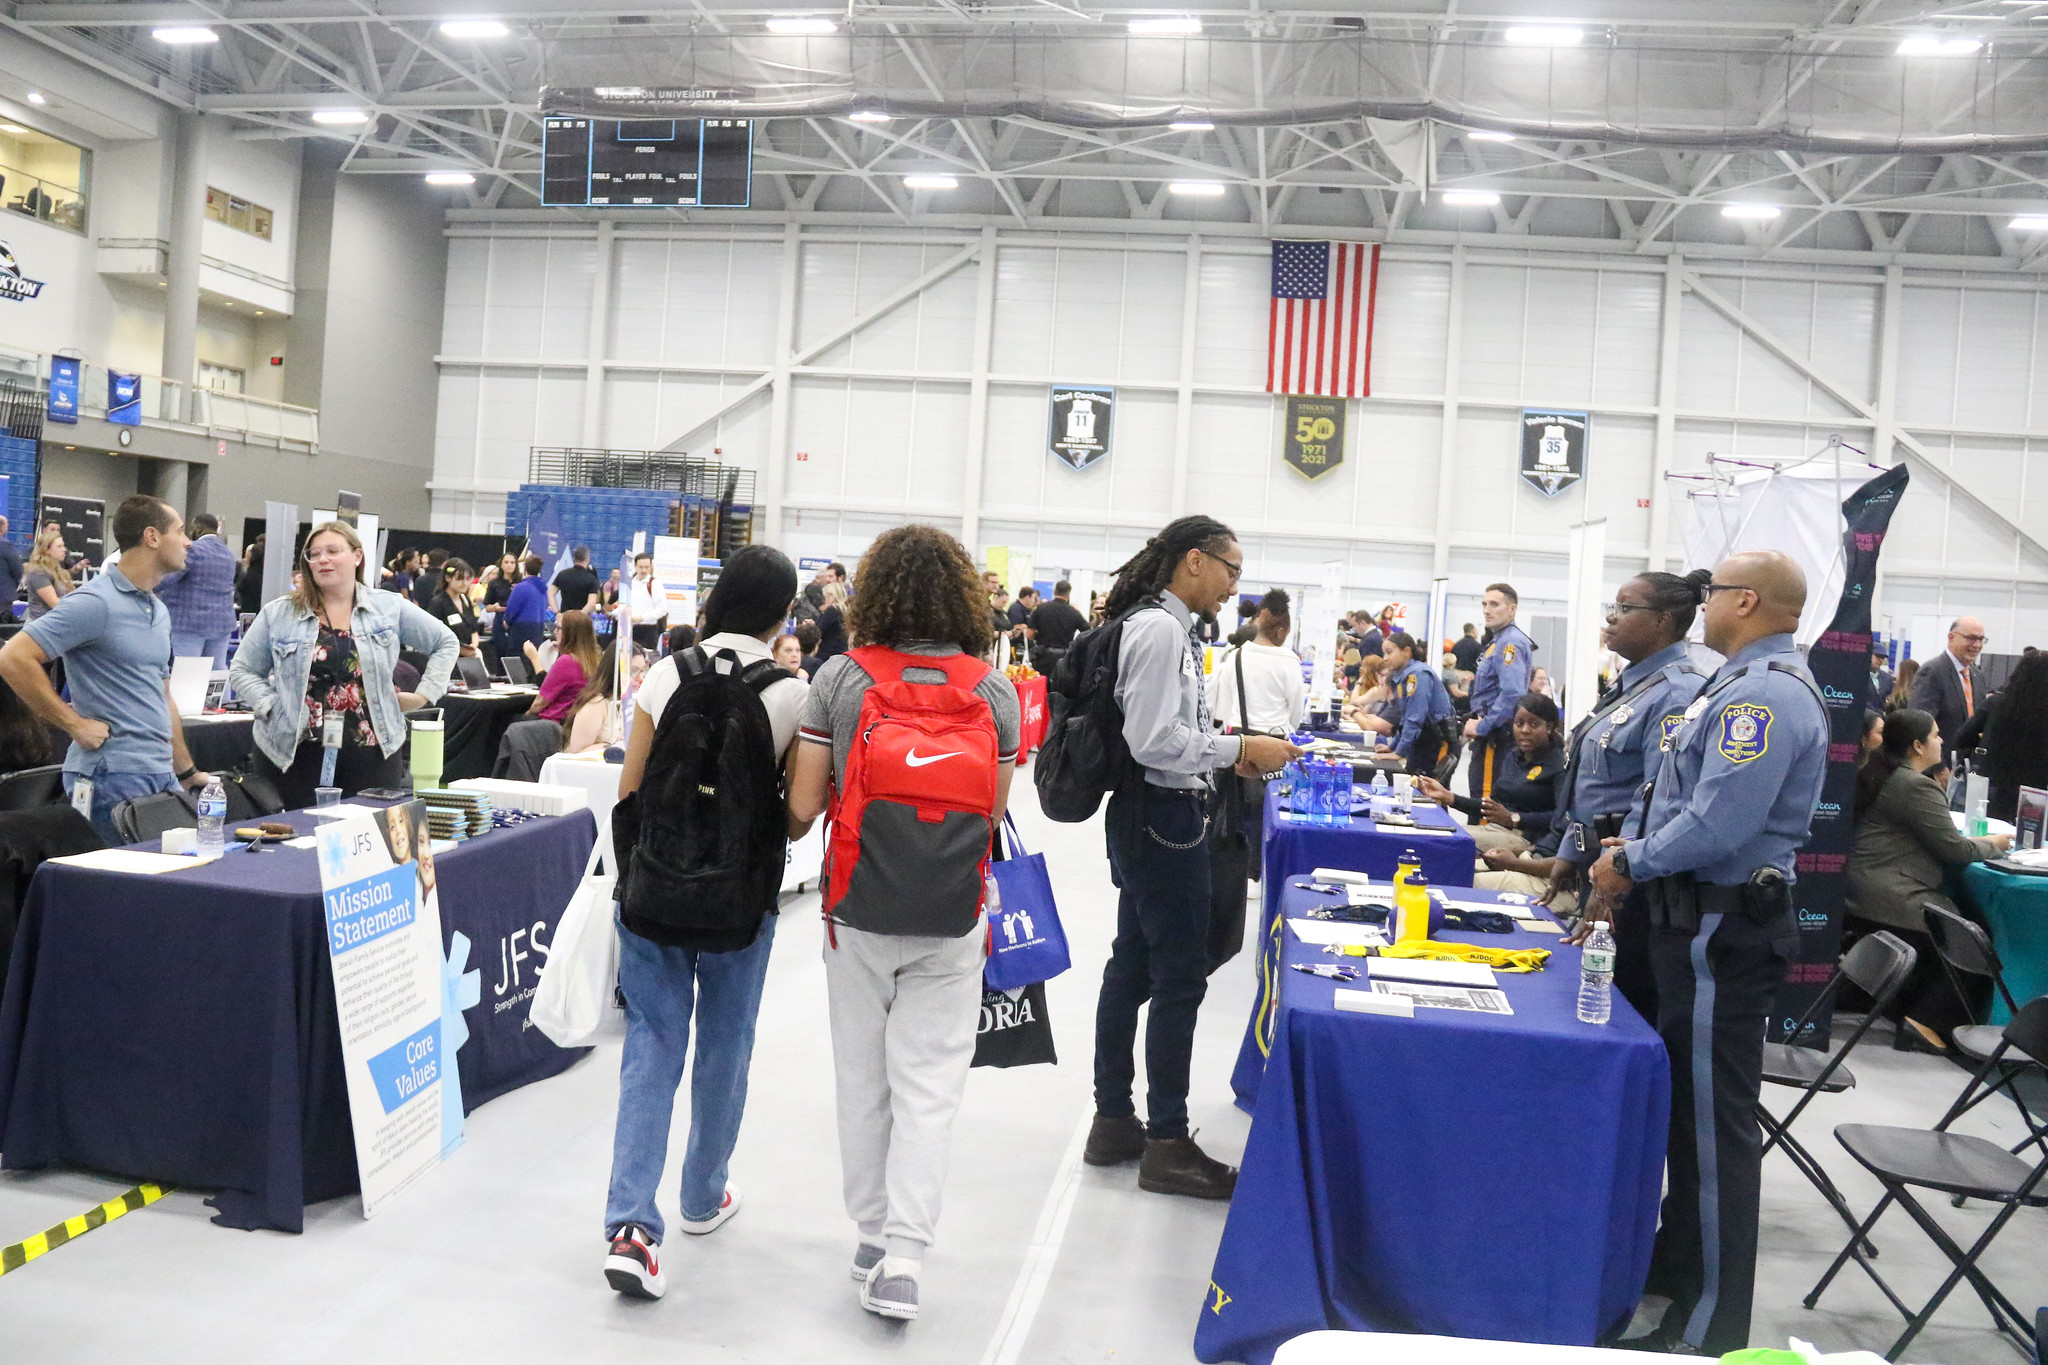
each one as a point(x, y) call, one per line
point(726, 1209)
point(633, 1266)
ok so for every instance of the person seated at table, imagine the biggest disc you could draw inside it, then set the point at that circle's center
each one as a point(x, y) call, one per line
point(1524, 788)
point(593, 724)
point(1528, 872)
point(454, 607)
point(316, 668)
point(1904, 842)
point(575, 663)
point(1369, 703)
point(26, 740)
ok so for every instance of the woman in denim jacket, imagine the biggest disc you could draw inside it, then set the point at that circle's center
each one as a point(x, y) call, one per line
point(316, 668)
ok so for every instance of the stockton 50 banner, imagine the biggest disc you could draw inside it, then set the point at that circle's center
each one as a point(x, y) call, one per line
point(1840, 663)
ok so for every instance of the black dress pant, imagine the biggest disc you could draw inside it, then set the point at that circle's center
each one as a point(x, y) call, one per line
point(355, 767)
point(1159, 860)
point(1714, 990)
point(1634, 977)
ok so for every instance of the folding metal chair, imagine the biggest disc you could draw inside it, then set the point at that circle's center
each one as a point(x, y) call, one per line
point(1966, 950)
point(1954, 1164)
point(1879, 964)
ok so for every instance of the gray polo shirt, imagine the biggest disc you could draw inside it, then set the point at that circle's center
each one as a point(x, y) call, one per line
point(115, 640)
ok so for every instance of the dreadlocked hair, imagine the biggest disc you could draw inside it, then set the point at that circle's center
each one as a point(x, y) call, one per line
point(917, 583)
point(1145, 574)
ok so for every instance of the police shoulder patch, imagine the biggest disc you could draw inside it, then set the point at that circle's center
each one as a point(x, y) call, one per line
point(1408, 688)
point(1745, 731)
point(1671, 724)
point(1507, 654)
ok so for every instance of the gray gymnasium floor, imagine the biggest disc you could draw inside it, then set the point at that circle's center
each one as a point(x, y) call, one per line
point(497, 1255)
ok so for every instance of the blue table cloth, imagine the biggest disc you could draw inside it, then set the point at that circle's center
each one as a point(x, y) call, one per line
point(1294, 847)
point(181, 1026)
point(2016, 908)
point(1456, 1173)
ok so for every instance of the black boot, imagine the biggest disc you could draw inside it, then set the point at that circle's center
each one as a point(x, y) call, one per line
point(1177, 1166)
point(1113, 1141)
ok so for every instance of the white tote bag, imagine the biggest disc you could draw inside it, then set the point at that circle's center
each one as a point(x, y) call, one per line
point(577, 1001)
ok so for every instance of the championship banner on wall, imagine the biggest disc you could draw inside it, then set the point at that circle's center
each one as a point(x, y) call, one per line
point(384, 946)
point(1079, 430)
point(1313, 443)
point(62, 403)
point(1840, 663)
point(1553, 449)
point(124, 399)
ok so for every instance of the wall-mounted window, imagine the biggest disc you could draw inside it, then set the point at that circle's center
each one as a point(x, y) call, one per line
point(237, 213)
point(42, 177)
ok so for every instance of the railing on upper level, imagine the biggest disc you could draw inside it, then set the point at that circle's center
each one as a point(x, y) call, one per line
point(165, 402)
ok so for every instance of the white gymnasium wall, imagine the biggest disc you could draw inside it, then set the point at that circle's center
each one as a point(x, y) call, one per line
point(879, 423)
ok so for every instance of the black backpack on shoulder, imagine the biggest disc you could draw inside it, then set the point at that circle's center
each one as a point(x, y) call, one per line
point(703, 841)
point(1084, 756)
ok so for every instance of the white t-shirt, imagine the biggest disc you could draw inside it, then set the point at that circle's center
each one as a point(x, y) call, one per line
point(1273, 688)
point(784, 699)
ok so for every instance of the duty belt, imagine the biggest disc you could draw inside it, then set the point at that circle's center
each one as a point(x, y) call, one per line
point(1679, 902)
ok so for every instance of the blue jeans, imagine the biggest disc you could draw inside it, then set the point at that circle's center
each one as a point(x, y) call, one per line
point(111, 789)
point(187, 644)
point(662, 986)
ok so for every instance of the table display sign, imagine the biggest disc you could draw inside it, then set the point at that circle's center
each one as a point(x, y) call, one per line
point(675, 570)
point(1079, 431)
point(1313, 443)
point(1840, 663)
point(383, 915)
point(2031, 815)
point(1553, 449)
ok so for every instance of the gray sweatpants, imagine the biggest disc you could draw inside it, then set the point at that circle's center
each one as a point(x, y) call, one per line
point(904, 1013)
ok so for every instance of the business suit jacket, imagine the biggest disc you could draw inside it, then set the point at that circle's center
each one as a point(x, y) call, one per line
point(1903, 843)
point(1938, 688)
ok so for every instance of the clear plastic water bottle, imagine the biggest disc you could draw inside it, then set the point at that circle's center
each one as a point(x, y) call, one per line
point(1596, 976)
point(1380, 785)
point(991, 898)
point(213, 816)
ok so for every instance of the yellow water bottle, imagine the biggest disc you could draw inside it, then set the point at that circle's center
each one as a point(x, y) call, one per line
point(1411, 909)
point(1409, 864)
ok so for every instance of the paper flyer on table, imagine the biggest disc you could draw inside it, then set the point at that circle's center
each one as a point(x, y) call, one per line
point(383, 914)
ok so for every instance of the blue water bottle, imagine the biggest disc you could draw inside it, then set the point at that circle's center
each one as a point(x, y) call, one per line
point(1326, 792)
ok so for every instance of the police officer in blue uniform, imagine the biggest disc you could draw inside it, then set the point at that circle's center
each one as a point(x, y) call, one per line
point(1721, 821)
point(1614, 749)
point(1424, 728)
point(1502, 679)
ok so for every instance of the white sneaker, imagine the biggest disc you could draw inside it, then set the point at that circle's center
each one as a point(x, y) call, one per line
point(890, 1296)
point(633, 1266)
point(726, 1210)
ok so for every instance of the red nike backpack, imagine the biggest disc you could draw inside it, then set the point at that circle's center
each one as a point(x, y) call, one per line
point(913, 817)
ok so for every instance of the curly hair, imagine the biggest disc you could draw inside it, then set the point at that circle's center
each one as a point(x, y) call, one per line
point(918, 583)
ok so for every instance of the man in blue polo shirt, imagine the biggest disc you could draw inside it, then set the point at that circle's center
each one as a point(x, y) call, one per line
point(115, 639)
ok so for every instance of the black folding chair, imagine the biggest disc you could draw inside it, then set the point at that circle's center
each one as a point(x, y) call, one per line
point(1879, 965)
point(1966, 950)
point(28, 788)
point(1953, 1164)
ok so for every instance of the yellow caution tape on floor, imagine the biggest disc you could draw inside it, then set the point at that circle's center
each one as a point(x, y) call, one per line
point(21, 1253)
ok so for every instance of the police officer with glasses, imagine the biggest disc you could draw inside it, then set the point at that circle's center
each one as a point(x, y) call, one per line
point(1616, 747)
point(1720, 822)
point(1502, 680)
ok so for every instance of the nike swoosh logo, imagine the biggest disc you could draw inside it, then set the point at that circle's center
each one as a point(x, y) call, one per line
point(911, 759)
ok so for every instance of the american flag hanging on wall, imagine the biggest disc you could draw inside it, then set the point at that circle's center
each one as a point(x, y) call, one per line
point(1321, 329)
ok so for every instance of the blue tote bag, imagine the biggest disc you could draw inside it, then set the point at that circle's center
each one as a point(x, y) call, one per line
point(1026, 944)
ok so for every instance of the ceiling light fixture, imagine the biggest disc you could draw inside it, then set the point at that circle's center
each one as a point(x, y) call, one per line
point(184, 37)
point(802, 25)
point(340, 116)
point(1757, 213)
point(450, 178)
point(930, 182)
point(1545, 35)
point(1471, 199)
point(12, 128)
point(1191, 126)
point(868, 116)
point(1488, 135)
point(1166, 26)
point(1201, 189)
point(473, 28)
point(36, 97)
point(1939, 45)
point(2030, 222)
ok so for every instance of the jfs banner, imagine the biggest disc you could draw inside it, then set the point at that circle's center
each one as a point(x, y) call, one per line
point(1840, 663)
point(384, 945)
point(63, 402)
point(1314, 440)
point(1080, 424)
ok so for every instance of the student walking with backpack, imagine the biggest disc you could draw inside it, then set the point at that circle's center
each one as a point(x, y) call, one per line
point(1158, 831)
point(910, 740)
point(700, 828)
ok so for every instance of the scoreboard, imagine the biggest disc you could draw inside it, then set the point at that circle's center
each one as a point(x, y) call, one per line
point(692, 163)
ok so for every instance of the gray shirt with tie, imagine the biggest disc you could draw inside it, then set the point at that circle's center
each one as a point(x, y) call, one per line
point(1159, 687)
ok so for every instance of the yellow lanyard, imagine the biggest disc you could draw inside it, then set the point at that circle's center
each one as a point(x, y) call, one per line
point(1432, 950)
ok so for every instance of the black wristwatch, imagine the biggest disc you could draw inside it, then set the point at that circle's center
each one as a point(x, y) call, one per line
point(188, 772)
point(1620, 862)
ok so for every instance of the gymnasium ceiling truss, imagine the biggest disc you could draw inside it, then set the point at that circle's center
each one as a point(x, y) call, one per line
point(1868, 125)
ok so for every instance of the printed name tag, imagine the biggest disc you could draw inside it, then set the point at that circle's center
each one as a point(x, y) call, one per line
point(81, 796)
point(330, 731)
